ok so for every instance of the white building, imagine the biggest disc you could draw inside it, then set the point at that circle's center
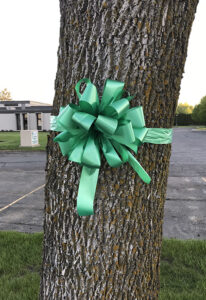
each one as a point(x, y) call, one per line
point(24, 115)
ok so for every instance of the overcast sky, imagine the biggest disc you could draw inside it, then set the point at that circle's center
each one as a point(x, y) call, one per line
point(29, 31)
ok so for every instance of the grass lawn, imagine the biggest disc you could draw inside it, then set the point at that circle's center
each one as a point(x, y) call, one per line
point(201, 128)
point(20, 260)
point(11, 141)
point(186, 126)
point(183, 268)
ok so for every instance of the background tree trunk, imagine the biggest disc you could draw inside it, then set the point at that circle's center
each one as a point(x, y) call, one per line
point(114, 254)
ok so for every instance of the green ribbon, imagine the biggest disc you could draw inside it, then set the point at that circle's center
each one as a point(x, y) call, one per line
point(110, 125)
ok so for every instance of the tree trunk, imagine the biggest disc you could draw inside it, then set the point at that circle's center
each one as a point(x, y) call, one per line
point(114, 254)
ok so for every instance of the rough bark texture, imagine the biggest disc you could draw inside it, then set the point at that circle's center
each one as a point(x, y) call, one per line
point(114, 254)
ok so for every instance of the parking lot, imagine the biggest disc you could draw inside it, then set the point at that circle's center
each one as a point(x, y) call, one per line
point(22, 179)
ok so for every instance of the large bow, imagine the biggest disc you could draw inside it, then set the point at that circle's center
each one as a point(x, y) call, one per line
point(109, 125)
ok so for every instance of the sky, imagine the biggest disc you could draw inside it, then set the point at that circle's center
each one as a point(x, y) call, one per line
point(29, 31)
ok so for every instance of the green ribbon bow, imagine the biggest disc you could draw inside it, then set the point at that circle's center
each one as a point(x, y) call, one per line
point(109, 125)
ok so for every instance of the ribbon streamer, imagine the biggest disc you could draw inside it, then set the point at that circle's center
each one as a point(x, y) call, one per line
point(110, 125)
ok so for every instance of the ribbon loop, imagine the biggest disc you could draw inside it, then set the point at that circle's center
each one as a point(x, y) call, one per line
point(136, 116)
point(91, 154)
point(65, 118)
point(106, 124)
point(124, 134)
point(84, 120)
point(89, 100)
point(77, 87)
point(112, 91)
point(140, 133)
point(77, 152)
point(118, 108)
point(110, 154)
point(122, 151)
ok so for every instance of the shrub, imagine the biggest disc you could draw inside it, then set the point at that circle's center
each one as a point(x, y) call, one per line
point(184, 108)
point(183, 119)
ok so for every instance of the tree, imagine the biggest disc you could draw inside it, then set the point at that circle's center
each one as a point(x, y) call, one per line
point(196, 113)
point(5, 95)
point(115, 253)
point(202, 112)
point(184, 108)
point(199, 112)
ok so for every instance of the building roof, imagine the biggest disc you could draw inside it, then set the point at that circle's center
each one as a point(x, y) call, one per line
point(14, 102)
point(32, 103)
point(35, 103)
point(11, 107)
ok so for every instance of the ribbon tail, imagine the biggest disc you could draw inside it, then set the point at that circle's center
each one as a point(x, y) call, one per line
point(54, 125)
point(158, 136)
point(86, 192)
point(138, 168)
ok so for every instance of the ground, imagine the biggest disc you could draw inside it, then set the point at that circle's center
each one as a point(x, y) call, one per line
point(185, 208)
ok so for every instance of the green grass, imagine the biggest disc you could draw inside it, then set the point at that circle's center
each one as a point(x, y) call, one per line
point(11, 141)
point(183, 268)
point(199, 127)
point(20, 260)
point(182, 126)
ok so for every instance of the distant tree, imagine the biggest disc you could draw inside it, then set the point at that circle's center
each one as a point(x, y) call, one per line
point(199, 111)
point(195, 113)
point(184, 108)
point(202, 112)
point(5, 95)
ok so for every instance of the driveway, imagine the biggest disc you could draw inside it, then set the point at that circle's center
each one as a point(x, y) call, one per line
point(22, 180)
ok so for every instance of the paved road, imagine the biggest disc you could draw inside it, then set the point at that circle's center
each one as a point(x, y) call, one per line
point(185, 208)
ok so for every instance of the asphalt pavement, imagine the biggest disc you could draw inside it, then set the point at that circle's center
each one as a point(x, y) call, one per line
point(20, 174)
point(185, 207)
point(22, 177)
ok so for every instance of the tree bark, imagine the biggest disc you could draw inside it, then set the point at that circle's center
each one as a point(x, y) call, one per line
point(114, 254)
